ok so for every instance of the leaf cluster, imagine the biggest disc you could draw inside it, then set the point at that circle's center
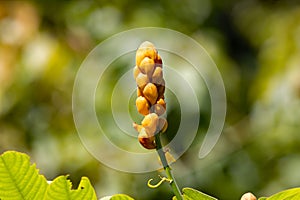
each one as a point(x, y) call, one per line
point(19, 179)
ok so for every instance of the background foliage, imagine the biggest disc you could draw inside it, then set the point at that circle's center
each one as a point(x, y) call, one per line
point(255, 44)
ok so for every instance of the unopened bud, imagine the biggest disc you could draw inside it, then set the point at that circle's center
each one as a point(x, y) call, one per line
point(146, 141)
point(150, 123)
point(142, 105)
point(157, 76)
point(150, 92)
point(160, 107)
point(146, 49)
point(141, 80)
point(147, 66)
point(136, 72)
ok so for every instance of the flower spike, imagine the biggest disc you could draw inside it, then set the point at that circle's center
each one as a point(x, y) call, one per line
point(150, 101)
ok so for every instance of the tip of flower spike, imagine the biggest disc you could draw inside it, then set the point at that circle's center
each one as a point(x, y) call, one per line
point(146, 44)
point(146, 49)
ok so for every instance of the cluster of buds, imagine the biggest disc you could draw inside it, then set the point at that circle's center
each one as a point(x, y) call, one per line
point(150, 100)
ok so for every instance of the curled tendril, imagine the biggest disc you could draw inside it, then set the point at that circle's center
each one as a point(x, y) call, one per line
point(163, 179)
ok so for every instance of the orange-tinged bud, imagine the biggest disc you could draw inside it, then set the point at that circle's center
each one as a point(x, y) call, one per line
point(146, 49)
point(161, 102)
point(162, 124)
point(142, 105)
point(136, 72)
point(150, 92)
point(146, 141)
point(147, 66)
point(157, 76)
point(141, 80)
point(160, 107)
point(140, 55)
point(150, 123)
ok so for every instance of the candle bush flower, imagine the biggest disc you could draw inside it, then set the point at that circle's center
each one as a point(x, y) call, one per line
point(150, 100)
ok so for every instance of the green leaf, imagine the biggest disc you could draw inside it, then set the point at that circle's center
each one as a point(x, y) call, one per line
point(293, 193)
point(61, 189)
point(121, 197)
point(192, 194)
point(19, 179)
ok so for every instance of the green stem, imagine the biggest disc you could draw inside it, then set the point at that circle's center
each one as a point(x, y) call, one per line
point(167, 168)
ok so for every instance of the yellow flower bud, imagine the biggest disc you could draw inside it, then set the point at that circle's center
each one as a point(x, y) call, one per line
point(162, 102)
point(141, 80)
point(160, 107)
point(162, 124)
point(150, 92)
point(142, 105)
point(147, 66)
point(146, 49)
point(136, 72)
point(150, 123)
point(157, 77)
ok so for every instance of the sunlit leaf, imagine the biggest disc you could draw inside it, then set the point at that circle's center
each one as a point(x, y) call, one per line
point(19, 179)
point(61, 188)
point(192, 194)
point(284, 195)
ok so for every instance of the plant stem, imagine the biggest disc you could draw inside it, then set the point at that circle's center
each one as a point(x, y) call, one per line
point(167, 168)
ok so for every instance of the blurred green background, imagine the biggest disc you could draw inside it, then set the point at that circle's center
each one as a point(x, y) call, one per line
point(255, 44)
